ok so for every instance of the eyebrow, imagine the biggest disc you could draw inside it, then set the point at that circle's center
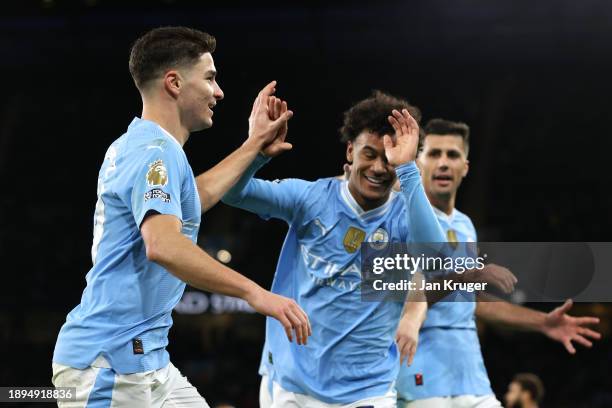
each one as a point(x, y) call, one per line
point(211, 72)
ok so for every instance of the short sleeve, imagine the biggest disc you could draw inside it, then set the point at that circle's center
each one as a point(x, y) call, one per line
point(157, 183)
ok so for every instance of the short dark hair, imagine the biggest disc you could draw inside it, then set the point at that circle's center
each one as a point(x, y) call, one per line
point(371, 115)
point(447, 127)
point(167, 47)
point(532, 384)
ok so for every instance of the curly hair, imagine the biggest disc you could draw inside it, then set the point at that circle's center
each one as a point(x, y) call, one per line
point(371, 115)
point(167, 47)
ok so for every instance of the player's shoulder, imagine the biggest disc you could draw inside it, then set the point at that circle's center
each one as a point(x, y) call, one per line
point(145, 139)
point(462, 218)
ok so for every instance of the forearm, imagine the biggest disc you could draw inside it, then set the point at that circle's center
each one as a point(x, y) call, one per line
point(496, 311)
point(415, 307)
point(214, 183)
point(236, 193)
point(192, 265)
point(422, 222)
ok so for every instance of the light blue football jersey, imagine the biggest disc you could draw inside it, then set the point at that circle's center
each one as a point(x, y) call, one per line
point(125, 310)
point(351, 354)
point(448, 361)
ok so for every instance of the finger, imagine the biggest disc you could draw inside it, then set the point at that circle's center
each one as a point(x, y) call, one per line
point(411, 122)
point(569, 347)
point(282, 120)
point(404, 120)
point(286, 325)
point(297, 326)
point(587, 320)
point(401, 120)
point(565, 307)
point(579, 339)
point(302, 312)
point(591, 333)
point(304, 321)
point(277, 108)
point(271, 108)
point(411, 354)
point(268, 89)
point(396, 126)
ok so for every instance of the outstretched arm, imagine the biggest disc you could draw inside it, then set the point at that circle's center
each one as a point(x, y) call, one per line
point(263, 130)
point(556, 324)
point(167, 246)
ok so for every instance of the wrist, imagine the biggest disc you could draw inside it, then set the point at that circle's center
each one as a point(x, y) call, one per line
point(252, 145)
point(251, 292)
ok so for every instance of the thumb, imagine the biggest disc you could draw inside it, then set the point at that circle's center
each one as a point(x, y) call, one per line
point(565, 307)
point(282, 119)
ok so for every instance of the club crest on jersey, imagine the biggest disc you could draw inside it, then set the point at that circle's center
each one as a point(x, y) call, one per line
point(157, 174)
point(353, 239)
point(379, 239)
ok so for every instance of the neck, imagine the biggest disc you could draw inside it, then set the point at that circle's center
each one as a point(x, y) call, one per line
point(443, 202)
point(365, 204)
point(167, 116)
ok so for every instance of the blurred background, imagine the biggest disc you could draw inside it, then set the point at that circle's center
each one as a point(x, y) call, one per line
point(532, 79)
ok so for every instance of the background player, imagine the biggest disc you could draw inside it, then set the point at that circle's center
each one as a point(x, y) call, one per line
point(112, 347)
point(448, 368)
point(351, 358)
point(526, 390)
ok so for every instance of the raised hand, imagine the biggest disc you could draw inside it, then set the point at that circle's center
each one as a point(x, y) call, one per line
point(276, 109)
point(262, 129)
point(402, 147)
point(285, 310)
point(560, 326)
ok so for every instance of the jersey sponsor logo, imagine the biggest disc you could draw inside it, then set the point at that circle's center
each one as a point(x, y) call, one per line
point(379, 239)
point(353, 239)
point(157, 174)
point(156, 193)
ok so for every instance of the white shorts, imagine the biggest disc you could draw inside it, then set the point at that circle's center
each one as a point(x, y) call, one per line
point(100, 386)
point(460, 401)
point(282, 398)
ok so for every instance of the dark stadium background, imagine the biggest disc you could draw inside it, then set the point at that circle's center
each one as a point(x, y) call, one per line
point(532, 79)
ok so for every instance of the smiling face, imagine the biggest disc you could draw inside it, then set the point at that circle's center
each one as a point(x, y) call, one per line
point(443, 164)
point(371, 175)
point(199, 93)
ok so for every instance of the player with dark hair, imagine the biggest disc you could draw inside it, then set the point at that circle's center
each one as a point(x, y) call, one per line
point(448, 369)
point(351, 359)
point(112, 347)
point(526, 390)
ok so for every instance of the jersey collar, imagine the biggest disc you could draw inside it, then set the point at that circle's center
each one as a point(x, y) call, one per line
point(138, 120)
point(444, 216)
point(349, 200)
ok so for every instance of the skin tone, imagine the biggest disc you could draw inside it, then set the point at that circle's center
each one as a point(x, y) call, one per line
point(443, 164)
point(374, 159)
point(182, 101)
point(517, 397)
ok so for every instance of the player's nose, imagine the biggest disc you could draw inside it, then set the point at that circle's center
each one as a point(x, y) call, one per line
point(218, 94)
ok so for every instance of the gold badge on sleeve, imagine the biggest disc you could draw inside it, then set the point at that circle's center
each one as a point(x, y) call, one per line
point(353, 238)
point(157, 174)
